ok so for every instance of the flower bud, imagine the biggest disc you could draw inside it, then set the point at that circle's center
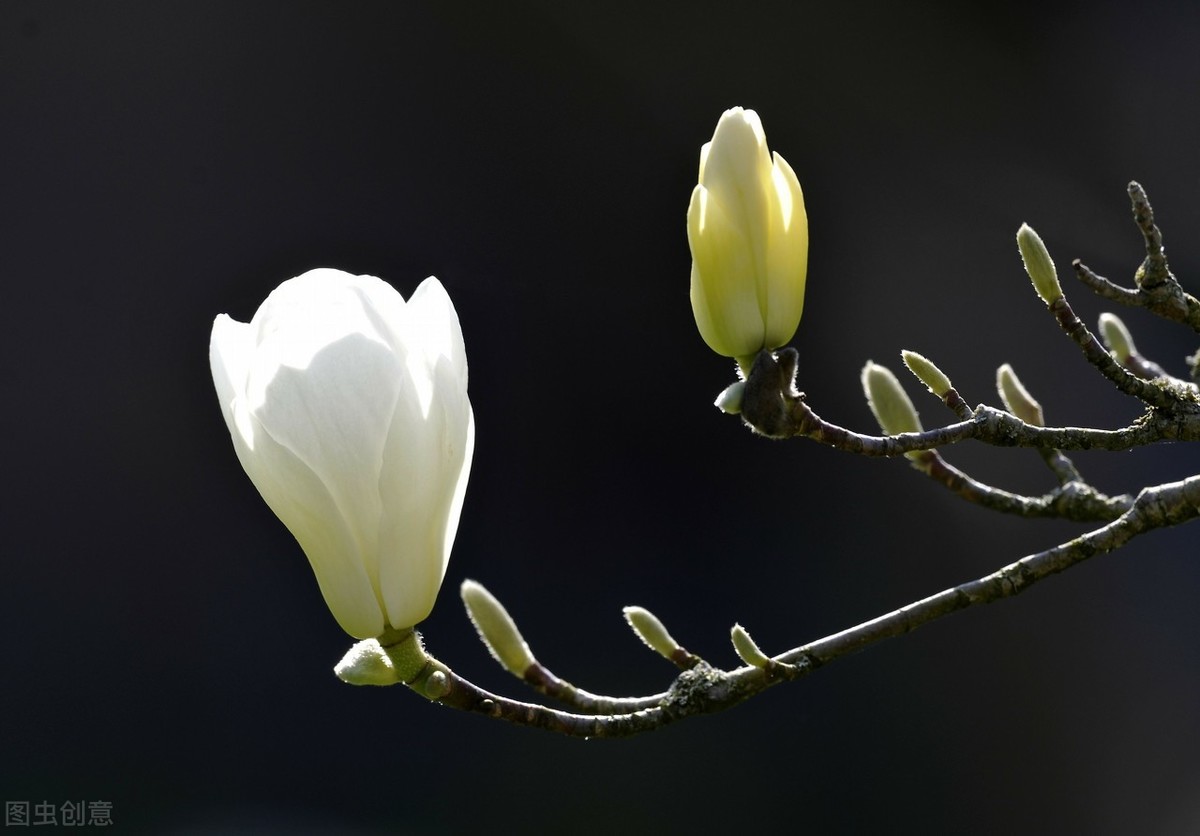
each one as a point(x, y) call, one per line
point(889, 403)
point(1016, 397)
point(497, 629)
point(348, 409)
point(1038, 264)
point(746, 648)
point(933, 377)
point(652, 632)
point(367, 664)
point(748, 234)
point(1117, 338)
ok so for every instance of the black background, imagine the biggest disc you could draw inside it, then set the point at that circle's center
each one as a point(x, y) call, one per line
point(165, 647)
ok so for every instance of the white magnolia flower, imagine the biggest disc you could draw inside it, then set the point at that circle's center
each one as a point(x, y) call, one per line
point(348, 409)
point(748, 233)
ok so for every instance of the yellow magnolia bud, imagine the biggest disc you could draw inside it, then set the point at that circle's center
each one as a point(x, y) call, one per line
point(748, 234)
point(1038, 264)
point(1016, 397)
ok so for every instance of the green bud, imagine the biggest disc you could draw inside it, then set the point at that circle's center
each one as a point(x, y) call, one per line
point(888, 401)
point(496, 629)
point(1016, 397)
point(1038, 264)
point(934, 378)
point(651, 631)
point(890, 404)
point(746, 648)
point(367, 663)
point(1117, 338)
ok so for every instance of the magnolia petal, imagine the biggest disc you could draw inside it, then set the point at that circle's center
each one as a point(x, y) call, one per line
point(418, 529)
point(737, 172)
point(704, 149)
point(230, 350)
point(723, 293)
point(334, 415)
point(436, 327)
point(303, 503)
point(291, 489)
point(787, 264)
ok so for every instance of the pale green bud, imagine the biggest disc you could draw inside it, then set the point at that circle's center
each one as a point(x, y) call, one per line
point(1117, 337)
point(651, 631)
point(933, 377)
point(888, 401)
point(730, 399)
point(748, 233)
point(496, 629)
point(1038, 264)
point(367, 663)
point(747, 650)
point(1016, 397)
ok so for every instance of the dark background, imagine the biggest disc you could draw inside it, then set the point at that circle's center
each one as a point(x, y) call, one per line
point(164, 645)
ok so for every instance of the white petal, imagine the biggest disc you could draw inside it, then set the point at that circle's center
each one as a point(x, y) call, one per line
point(230, 350)
point(436, 327)
point(300, 500)
point(424, 475)
point(334, 415)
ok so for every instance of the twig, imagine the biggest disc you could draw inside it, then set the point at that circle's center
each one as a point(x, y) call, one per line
point(773, 408)
point(704, 689)
point(1100, 358)
point(1154, 272)
point(545, 682)
point(1073, 500)
point(1157, 291)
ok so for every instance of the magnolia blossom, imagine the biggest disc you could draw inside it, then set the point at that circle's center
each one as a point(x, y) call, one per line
point(748, 234)
point(348, 410)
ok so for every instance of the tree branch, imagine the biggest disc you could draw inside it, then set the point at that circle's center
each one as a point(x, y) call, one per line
point(772, 407)
point(704, 689)
point(1157, 291)
point(1073, 500)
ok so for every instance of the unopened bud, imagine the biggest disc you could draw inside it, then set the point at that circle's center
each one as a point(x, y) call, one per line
point(1117, 338)
point(651, 631)
point(1038, 264)
point(888, 401)
point(1016, 397)
point(496, 628)
point(746, 648)
point(935, 379)
point(367, 663)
